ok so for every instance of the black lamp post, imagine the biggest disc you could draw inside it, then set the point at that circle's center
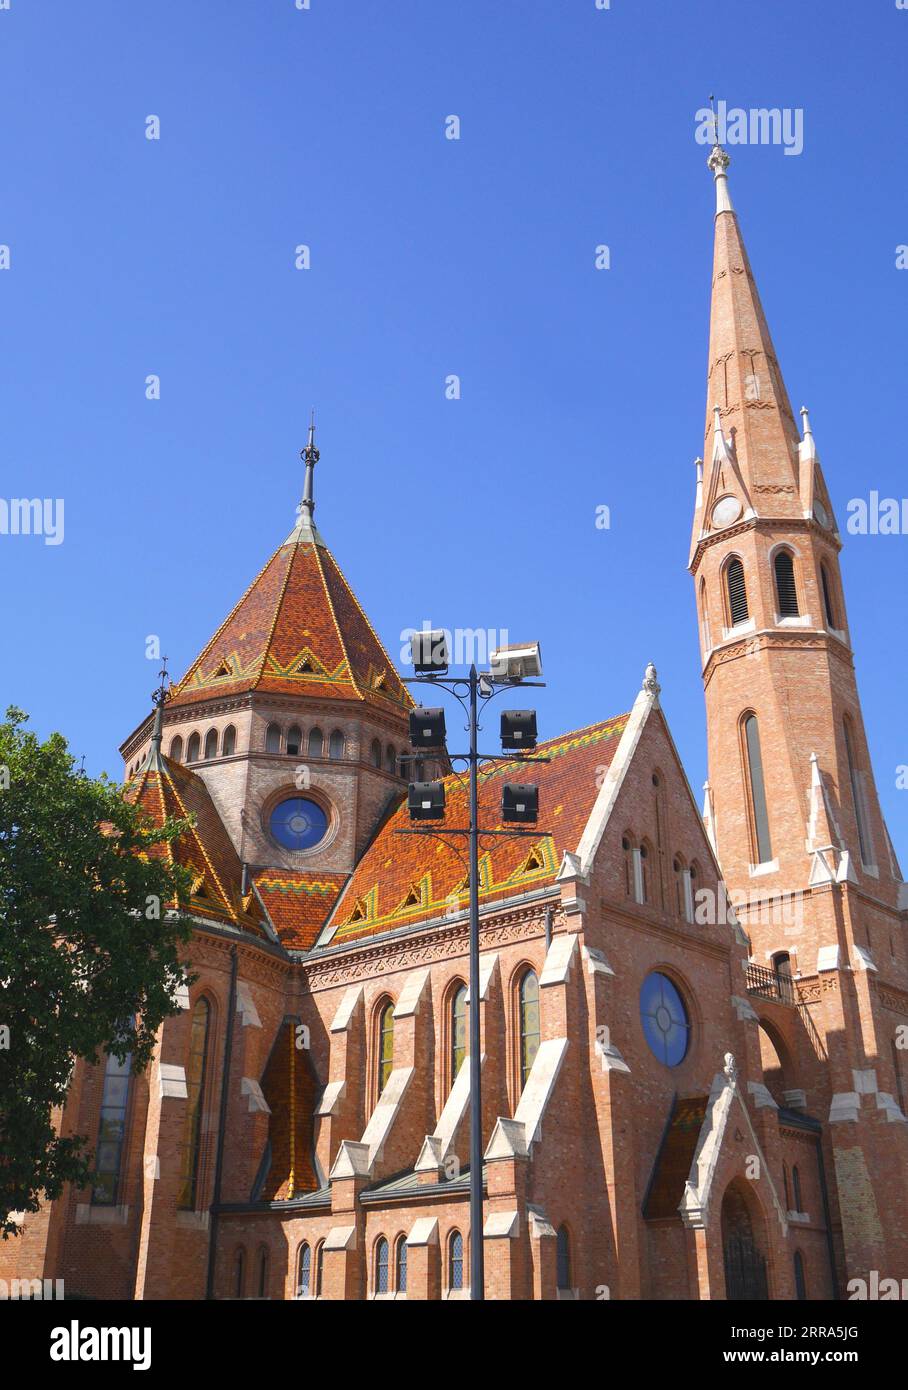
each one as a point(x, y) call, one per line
point(510, 666)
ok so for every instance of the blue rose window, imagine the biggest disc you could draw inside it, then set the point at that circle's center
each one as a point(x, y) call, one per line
point(298, 823)
point(666, 1025)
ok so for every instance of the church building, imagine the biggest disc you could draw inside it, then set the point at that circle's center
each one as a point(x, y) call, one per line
point(693, 1023)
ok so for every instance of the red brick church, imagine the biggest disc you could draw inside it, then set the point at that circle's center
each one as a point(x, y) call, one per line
point(681, 1099)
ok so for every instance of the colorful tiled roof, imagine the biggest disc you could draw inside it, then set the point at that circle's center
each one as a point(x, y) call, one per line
point(297, 630)
point(405, 879)
point(298, 903)
point(167, 789)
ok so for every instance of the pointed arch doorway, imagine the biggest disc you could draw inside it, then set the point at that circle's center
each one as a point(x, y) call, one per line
point(745, 1266)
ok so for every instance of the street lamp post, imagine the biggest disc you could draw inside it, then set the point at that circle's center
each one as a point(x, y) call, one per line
point(473, 693)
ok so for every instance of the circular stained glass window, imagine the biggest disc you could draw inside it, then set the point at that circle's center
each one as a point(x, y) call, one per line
point(298, 823)
point(666, 1025)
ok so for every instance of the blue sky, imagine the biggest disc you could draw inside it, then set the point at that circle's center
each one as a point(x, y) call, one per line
point(429, 257)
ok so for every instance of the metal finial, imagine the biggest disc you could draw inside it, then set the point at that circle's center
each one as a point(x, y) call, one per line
point(159, 698)
point(310, 457)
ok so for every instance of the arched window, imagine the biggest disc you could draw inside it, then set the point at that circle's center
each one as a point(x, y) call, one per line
point(627, 849)
point(828, 602)
point(385, 1044)
point(796, 1185)
point(262, 1282)
point(176, 749)
point(111, 1130)
point(211, 744)
point(800, 1281)
point(382, 1266)
point(563, 1258)
point(336, 744)
point(195, 1086)
point(376, 753)
point(304, 1271)
point(400, 1261)
point(737, 592)
point(294, 740)
point(316, 743)
point(193, 748)
point(319, 1269)
point(528, 1004)
point(239, 1273)
point(272, 739)
point(228, 746)
point(390, 760)
point(455, 1261)
point(645, 862)
point(458, 1030)
point(786, 590)
point(786, 1186)
point(857, 797)
point(762, 843)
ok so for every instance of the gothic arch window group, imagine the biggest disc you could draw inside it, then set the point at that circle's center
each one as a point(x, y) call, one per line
point(216, 745)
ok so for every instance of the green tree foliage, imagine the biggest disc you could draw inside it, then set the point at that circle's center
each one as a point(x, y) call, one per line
point(89, 950)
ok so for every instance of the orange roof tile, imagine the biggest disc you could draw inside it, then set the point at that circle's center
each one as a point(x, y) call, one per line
point(298, 903)
point(297, 630)
point(405, 879)
point(165, 789)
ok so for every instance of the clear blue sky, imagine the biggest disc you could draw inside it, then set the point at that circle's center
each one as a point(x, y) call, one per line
point(429, 257)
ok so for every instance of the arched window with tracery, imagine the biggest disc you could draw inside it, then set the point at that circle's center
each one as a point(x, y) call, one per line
point(304, 1271)
point(529, 1023)
point(385, 1044)
point(400, 1262)
point(455, 1261)
point(382, 1281)
point(458, 1026)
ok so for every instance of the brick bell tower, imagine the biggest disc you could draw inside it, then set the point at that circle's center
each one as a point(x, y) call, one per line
point(791, 805)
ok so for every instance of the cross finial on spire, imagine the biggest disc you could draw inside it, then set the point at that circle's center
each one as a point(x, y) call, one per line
point(310, 457)
point(719, 161)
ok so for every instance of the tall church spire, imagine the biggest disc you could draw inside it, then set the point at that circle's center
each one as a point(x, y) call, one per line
point(754, 455)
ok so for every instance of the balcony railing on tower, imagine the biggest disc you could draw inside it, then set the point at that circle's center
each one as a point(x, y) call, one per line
point(770, 984)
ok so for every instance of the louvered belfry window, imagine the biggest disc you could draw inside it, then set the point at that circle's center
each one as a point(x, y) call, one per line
point(785, 585)
point(737, 592)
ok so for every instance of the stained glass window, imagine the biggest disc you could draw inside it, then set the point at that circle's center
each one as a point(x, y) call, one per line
point(529, 1024)
point(305, 1271)
point(455, 1261)
point(458, 1030)
point(666, 1026)
point(385, 1045)
point(402, 1265)
point(382, 1281)
point(298, 823)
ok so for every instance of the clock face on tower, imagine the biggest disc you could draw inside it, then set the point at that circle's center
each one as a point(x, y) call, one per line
point(298, 823)
point(726, 510)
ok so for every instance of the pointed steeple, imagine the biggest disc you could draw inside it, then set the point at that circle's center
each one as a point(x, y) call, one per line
point(757, 433)
point(297, 630)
